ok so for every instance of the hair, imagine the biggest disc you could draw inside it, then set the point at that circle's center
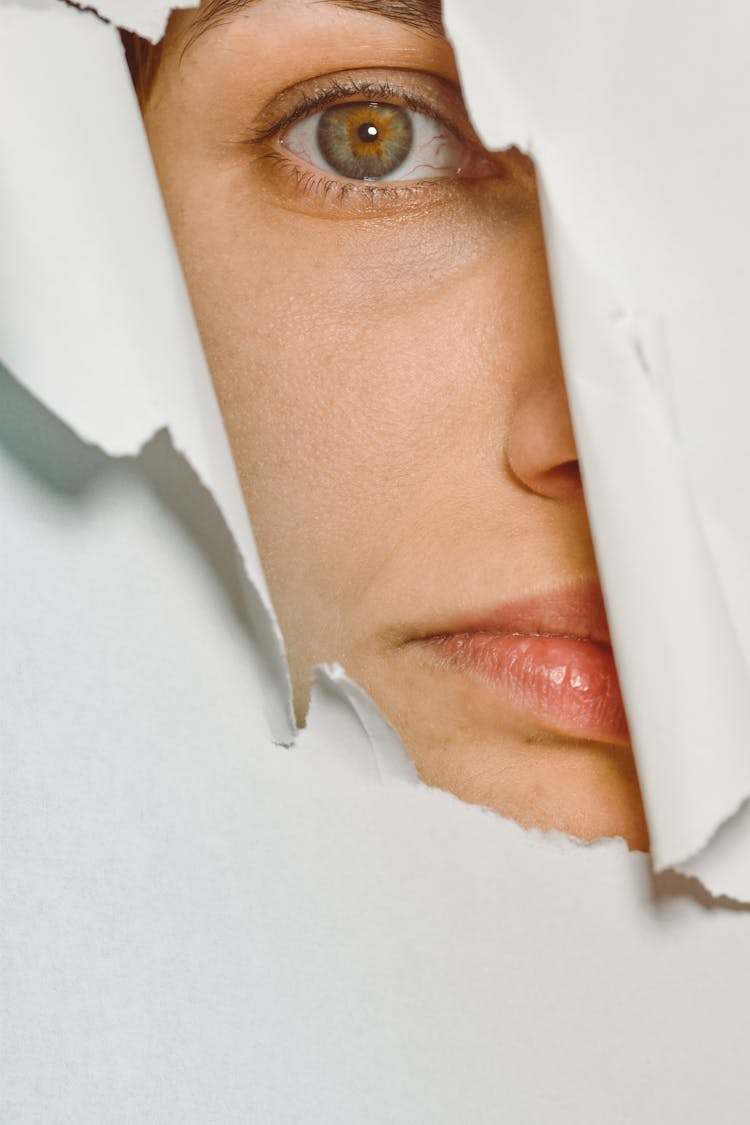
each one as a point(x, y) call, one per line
point(143, 60)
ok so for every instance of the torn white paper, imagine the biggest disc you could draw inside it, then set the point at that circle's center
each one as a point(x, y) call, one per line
point(203, 926)
point(90, 283)
point(147, 18)
point(637, 130)
point(199, 920)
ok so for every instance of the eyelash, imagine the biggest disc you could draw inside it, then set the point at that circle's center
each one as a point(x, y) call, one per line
point(311, 181)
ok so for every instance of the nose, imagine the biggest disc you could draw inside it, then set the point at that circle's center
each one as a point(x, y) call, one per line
point(540, 445)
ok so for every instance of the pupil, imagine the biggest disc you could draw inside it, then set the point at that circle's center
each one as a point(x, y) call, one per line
point(368, 132)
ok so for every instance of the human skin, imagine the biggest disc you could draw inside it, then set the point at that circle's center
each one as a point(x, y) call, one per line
point(387, 365)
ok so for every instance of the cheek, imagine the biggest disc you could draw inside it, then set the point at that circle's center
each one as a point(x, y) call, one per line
point(364, 369)
point(350, 348)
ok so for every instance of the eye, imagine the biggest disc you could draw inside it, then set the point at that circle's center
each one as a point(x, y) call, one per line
point(377, 141)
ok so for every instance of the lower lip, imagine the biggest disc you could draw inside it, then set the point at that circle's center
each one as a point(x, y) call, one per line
point(568, 685)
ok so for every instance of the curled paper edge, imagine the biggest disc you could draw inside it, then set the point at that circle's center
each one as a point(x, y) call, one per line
point(708, 847)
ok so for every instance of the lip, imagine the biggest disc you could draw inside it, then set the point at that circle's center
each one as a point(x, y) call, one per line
point(548, 658)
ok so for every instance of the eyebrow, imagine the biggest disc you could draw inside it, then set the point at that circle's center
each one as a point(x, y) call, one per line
point(422, 15)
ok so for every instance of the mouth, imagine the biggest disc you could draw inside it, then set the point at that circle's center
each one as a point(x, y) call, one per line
point(547, 659)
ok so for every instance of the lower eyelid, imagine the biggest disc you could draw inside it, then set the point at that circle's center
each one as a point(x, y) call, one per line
point(313, 191)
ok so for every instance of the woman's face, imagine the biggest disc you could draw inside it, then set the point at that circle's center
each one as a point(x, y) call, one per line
point(372, 292)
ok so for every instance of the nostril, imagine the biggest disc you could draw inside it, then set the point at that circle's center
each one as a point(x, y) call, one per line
point(563, 481)
point(560, 481)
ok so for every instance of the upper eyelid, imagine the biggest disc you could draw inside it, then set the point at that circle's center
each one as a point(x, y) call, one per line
point(349, 86)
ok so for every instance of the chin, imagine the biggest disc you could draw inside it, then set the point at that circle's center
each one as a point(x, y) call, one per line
point(587, 790)
point(466, 740)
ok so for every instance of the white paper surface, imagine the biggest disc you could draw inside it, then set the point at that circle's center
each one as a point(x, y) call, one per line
point(637, 128)
point(202, 926)
point(94, 314)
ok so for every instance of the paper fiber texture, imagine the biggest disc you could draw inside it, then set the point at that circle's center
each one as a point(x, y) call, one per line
point(638, 133)
point(203, 925)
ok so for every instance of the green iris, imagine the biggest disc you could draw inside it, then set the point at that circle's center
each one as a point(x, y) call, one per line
point(365, 140)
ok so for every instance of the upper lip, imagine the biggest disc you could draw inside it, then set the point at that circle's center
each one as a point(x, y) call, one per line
point(575, 611)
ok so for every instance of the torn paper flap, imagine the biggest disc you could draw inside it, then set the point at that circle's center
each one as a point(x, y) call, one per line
point(344, 725)
point(94, 315)
point(667, 638)
point(637, 130)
